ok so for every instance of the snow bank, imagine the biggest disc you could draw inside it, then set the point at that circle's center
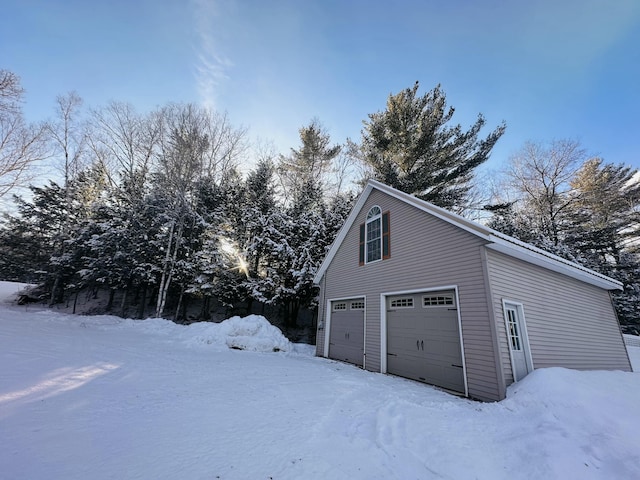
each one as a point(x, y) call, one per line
point(8, 290)
point(591, 417)
point(253, 332)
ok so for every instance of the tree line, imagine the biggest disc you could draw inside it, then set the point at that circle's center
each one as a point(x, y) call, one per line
point(154, 208)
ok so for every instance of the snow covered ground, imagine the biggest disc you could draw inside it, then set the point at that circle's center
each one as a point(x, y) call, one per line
point(106, 398)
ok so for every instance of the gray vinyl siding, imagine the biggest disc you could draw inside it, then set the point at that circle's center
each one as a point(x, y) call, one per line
point(569, 323)
point(426, 252)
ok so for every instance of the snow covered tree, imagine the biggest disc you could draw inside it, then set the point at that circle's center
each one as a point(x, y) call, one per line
point(46, 233)
point(181, 155)
point(411, 146)
point(302, 251)
point(219, 268)
point(261, 220)
point(29, 237)
point(585, 211)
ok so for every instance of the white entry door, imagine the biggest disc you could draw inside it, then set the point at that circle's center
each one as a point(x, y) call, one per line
point(518, 340)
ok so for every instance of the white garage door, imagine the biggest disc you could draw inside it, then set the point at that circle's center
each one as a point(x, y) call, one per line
point(346, 336)
point(423, 339)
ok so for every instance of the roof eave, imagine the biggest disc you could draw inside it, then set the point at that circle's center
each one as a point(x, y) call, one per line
point(550, 263)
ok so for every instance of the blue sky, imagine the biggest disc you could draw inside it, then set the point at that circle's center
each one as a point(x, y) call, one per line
point(550, 69)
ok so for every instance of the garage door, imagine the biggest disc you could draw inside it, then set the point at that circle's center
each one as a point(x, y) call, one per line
point(423, 341)
point(346, 337)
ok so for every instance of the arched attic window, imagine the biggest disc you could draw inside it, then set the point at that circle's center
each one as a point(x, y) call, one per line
point(375, 236)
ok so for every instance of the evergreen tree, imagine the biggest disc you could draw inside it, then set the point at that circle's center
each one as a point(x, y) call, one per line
point(261, 214)
point(28, 238)
point(312, 161)
point(604, 230)
point(219, 266)
point(303, 251)
point(411, 146)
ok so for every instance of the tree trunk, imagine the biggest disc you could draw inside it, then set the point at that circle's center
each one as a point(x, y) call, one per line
point(167, 272)
point(204, 310)
point(123, 303)
point(185, 303)
point(291, 309)
point(143, 301)
point(295, 310)
point(112, 293)
point(176, 316)
point(75, 302)
point(54, 291)
point(162, 290)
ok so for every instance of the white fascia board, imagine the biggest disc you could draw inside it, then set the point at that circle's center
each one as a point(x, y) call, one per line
point(549, 261)
point(342, 233)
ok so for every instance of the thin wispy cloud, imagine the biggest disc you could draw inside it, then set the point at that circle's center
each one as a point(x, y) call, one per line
point(212, 65)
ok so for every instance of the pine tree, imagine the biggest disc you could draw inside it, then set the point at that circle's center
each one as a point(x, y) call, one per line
point(312, 161)
point(604, 230)
point(411, 146)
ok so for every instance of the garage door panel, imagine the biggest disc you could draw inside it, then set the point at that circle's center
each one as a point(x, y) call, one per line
point(404, 342)
point(423, 342)
point(346, 338)
point(449, 349)
point(404, 366)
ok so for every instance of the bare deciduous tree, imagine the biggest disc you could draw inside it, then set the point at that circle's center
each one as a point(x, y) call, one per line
point(228, 144)
point(68, 135)
point(21, 145)
point(125, 142)
point(541, 175)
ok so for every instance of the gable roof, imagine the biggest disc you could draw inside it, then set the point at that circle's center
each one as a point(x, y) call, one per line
point(495, 240)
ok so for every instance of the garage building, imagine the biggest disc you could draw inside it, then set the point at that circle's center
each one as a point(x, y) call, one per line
point(413, 290)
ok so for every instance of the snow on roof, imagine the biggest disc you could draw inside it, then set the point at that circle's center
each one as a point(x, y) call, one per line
point(495, 240)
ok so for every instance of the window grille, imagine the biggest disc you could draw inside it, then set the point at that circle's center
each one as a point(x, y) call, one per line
point(437, 300)
point(406, 302)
